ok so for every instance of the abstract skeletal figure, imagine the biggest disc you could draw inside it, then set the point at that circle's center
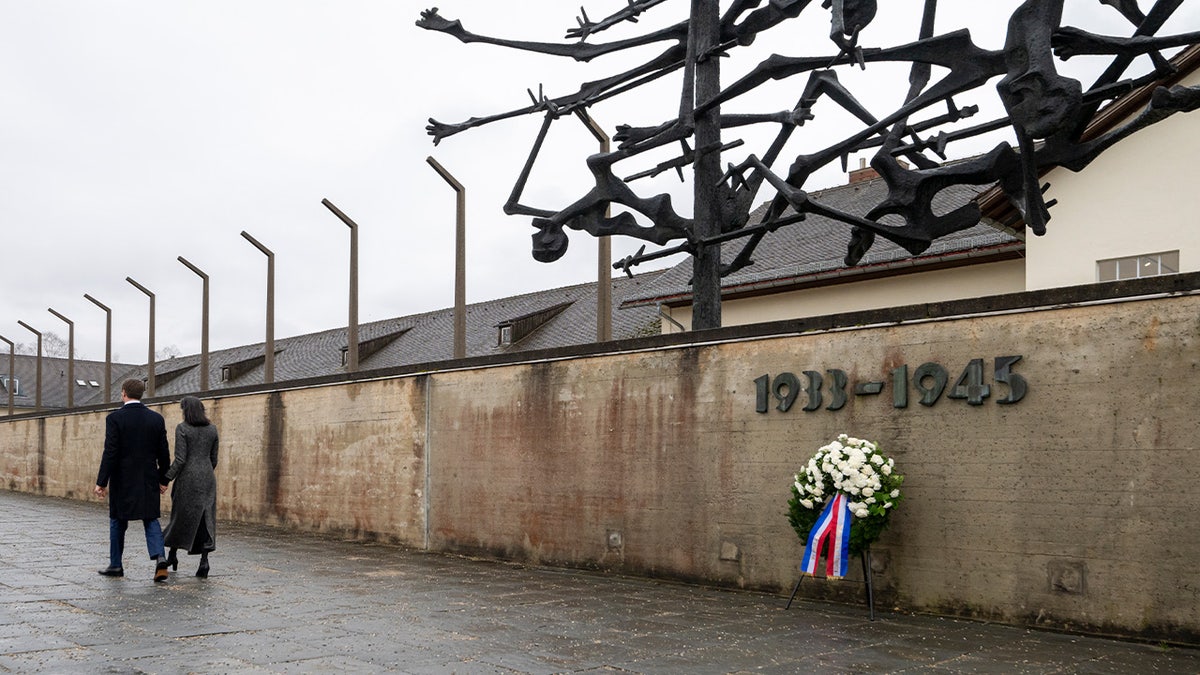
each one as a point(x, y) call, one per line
point(1046, 111)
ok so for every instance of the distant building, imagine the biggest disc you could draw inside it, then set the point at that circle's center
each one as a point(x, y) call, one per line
point(1131, 213)
point(557, 317)
point(22, 382)
point(799, 270)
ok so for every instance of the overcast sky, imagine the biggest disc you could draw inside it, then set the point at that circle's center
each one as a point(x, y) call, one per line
point(136, 131)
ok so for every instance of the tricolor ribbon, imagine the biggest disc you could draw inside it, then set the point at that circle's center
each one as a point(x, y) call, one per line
point(834, 527)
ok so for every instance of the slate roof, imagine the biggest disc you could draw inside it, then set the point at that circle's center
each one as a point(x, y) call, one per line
point(54, 381)
point(415, 339)
point(815, 248)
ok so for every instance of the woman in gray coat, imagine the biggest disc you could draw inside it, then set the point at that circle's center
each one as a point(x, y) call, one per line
point(193, 523)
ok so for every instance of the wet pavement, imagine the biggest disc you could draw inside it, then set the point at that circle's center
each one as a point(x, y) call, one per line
point(282, 602)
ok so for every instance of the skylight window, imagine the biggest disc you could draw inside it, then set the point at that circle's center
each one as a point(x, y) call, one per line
point(512, 331)
point(11, 384)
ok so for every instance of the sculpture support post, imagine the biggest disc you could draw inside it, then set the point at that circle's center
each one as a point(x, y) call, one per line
point(460, 260)
point(150, 357)
point(352, 323)
point(107, 346)
point(70, 358)
point(604, 250)
point(12, 350)
point(269, 346)
point(203, 322)
point(703, 38)
point(37, 397)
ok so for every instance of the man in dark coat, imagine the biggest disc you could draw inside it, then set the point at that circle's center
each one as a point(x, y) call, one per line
point(134, 466)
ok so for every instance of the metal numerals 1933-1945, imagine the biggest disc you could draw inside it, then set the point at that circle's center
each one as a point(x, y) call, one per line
point(928, 380)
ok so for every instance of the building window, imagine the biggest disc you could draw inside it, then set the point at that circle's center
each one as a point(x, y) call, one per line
point(1138, 266)
point(16, 385)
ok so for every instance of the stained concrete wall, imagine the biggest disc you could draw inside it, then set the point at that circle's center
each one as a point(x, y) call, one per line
point(1068, 509)
point(345, 459)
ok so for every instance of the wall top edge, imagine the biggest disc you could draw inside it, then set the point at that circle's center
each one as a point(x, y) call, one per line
point(1132, 290)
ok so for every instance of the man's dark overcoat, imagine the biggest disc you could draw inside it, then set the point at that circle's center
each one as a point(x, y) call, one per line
point(135, 462)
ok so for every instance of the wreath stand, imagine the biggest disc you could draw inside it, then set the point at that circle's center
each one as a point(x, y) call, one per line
point(866, 565)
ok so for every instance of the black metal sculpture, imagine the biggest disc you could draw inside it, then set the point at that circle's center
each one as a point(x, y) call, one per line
point(1047, 112)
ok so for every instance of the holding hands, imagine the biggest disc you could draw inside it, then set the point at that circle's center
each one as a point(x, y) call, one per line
point(102, 491)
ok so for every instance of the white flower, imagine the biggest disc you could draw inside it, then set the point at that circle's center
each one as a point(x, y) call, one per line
point(848, 466)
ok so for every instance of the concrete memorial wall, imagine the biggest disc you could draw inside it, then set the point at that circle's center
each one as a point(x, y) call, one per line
point(1054, 489)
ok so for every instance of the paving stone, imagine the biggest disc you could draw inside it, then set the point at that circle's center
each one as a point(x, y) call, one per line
point(279, 601)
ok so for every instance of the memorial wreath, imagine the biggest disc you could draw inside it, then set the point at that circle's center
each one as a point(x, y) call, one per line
point(844, 495)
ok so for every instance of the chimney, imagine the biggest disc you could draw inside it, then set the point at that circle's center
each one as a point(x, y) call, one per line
point(863, 172)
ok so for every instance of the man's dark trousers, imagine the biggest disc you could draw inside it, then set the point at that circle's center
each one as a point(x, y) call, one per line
point(116, 539)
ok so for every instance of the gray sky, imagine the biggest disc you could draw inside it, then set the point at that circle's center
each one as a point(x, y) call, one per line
point(136, 131)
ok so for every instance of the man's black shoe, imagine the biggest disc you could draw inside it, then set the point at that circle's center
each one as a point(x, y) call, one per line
point(113, 571)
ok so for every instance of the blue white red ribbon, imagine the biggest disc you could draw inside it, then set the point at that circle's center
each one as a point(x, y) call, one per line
point(833, 527)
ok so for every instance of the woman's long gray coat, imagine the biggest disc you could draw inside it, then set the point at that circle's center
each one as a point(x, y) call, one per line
point(194, 492)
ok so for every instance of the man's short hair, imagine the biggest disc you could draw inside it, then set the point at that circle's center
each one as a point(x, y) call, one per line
point(134, 388)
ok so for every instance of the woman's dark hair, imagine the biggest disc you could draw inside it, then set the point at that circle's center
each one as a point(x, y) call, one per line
point(193, 411)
